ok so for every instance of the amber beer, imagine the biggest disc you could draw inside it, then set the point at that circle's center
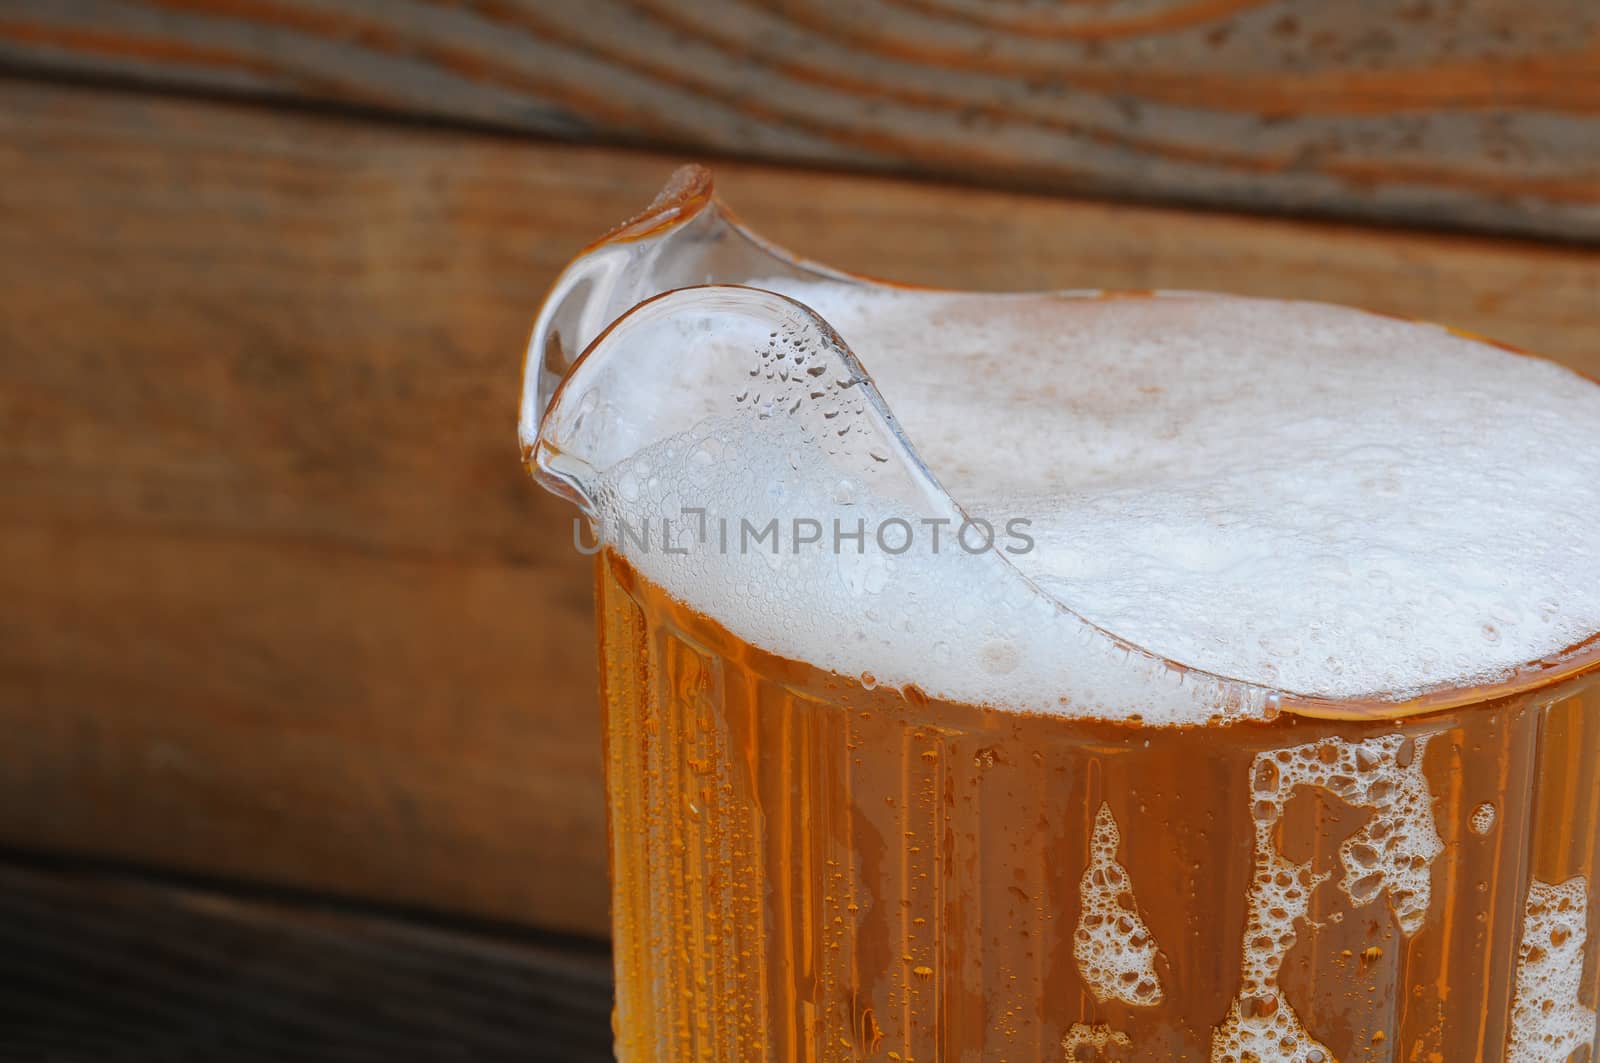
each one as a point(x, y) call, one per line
point(807, 869)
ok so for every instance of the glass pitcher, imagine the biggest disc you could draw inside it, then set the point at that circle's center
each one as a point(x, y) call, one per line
point(816, 857)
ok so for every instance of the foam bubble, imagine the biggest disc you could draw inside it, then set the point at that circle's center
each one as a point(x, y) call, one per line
point(1115, 950)
point(1547, 1021)
point(1482, 820)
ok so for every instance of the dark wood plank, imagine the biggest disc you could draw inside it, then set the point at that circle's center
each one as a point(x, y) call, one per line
point(1476, 114)
point(276, 600)
point(104, 967)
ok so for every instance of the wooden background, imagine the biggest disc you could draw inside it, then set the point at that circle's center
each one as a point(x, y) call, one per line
point(277, 602)
point(1456, 112)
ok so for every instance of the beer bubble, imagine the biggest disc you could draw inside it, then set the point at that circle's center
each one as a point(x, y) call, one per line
point(1482, 818)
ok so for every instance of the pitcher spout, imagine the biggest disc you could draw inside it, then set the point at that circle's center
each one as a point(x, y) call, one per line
point(685, 237)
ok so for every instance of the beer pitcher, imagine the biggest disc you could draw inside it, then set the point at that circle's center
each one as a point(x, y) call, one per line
point(1063, 847)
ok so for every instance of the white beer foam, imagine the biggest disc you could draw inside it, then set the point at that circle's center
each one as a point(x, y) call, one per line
point(735, 405)
point(1548, 1023)
point(1114, 949)
point(1392, 854)
point(1261, 1026)
point(1395, 848)
point(1303, 496)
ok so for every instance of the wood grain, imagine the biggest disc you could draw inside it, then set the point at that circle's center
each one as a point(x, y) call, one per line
point(276, 599)
point(1480, 113)
point(103, 967)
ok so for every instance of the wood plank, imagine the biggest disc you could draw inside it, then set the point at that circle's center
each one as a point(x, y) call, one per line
point(1479, 114)
point(384, 725)
point(276, 599)
point(106, 967)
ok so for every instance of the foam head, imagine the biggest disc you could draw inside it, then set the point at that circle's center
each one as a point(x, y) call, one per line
point(1301, 497)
